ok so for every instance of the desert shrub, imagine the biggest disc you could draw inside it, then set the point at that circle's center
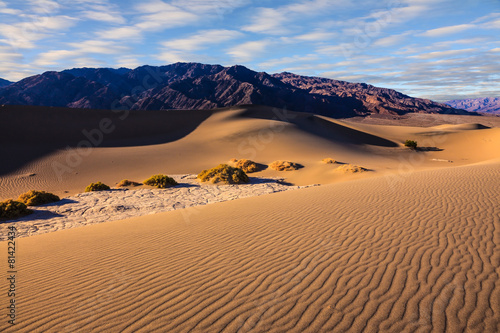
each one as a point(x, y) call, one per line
point(95, 187)
point(127, 182)
point(160, 181)
point(411, 144)
point(11, 209)
point(350, 168)
point(247, 165)
point(37, 198)
point(224, 173)
point(328, 161)
point(284, 166)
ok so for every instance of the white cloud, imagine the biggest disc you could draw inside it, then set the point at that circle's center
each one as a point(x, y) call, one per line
point(493, 24)
point(486, 18)
point(202, 39)
point(447, 30)
point(316, 36)
point(99, 46)
point(127, 32)
point(103, 16)
point(276, 21)
point(270, 21)
point(44, 7)
point(159, 15)
point(4, 9)
point(391, 40)
point(210, 7)
point(441, 54)
point(51, 58)
point(287, 60)
point(23, 35)
point(128, 62)
point(248, 51)
point(173, 56)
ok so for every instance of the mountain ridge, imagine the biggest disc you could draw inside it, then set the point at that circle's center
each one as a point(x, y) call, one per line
point(202, 86)
point(4, 83)
point(483, 104)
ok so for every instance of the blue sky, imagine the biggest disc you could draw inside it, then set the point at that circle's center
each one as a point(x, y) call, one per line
point(438, 49)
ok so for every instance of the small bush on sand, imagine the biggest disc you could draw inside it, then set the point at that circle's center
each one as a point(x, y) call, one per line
point(284, 166)
point(160, 181)
point(95, 187)
point(11, 209)
point(37, 198)
point(411, 144)
point(350, 168)
point(126, 182)
point(328, 161)
point(247, 166)
point(224, 173)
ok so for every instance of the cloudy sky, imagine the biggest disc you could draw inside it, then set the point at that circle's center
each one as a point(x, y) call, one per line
point(439, 49)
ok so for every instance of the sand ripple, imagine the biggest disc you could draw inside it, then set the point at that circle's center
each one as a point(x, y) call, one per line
point(421, 255)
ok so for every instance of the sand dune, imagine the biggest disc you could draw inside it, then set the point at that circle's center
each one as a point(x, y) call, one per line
point(415, 255)
point(44, 156)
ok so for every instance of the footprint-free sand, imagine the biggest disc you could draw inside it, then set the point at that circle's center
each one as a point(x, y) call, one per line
point(410, 245)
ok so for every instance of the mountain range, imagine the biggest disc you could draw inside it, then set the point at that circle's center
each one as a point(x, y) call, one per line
point(486, 104)
point(4, 83)
point(201, 86)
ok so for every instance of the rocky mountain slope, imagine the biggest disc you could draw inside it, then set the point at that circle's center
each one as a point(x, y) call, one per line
point(486, 104)
point(200, 86)
point(4, 83)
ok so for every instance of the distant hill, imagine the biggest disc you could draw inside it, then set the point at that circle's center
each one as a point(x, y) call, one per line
point(4, 83)
point(486, 104)
point(200, 86)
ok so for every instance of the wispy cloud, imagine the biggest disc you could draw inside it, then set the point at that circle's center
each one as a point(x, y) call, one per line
point(248, 51)
point(23, 35)
point(278, 21)
point(103, 16)
point(449, 30)
point(202, 39)
point(121, 33)
point(158, 15)
point(443, 54)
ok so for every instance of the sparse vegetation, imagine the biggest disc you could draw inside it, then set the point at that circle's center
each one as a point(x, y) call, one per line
point(328, 161)
point(37, 198)
point(246, 165)
point(11, 209)
point(160, 181)
point(126, 182)
point(284, 166)
point(411, 144)
point(95, 187)
point(350, 168)
point(224, 173)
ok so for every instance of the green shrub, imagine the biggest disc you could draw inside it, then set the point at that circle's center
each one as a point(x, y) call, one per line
point(11, 209)
point(126, 182)
point(411, 144)
point(37, 198)
point(95, 187)
point(160, 181)
point(224, 173)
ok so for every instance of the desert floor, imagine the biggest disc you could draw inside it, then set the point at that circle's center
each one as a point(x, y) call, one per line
point(410, 245)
